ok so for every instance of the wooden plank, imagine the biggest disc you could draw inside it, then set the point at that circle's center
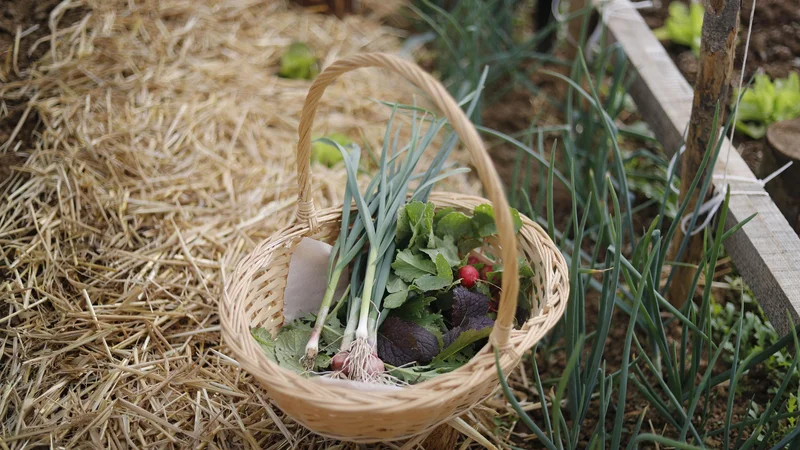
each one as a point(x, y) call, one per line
point(767, 250)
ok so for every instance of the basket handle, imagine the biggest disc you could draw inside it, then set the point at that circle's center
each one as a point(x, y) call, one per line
point(469, 136)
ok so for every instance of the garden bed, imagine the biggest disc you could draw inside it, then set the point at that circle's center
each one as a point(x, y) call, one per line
point(157, 151)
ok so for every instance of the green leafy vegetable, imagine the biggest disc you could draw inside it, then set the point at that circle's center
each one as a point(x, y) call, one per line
point(446, 248)
point(787, 97)
point(766, 103)
point(409, 265)
point(483, 220)
point(430, 245)
point(290, 347)
point(415, 309)
point(398, 292)
point(684, 25)
point(395, 299)
point(418, 374)
point(456, 225)
point(415, 225)
point(266, 342)
point(331, 334)
point(440, 213)
point(432, 282)
point(326, 154)
point(298, 62)
point(402, 342)
point(443, 269)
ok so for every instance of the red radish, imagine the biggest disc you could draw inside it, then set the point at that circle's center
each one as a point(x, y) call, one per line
point(472, 260)
point(469, 275)
point(485, 271)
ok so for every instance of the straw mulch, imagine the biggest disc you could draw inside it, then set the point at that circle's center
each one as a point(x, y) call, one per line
point(164, 151)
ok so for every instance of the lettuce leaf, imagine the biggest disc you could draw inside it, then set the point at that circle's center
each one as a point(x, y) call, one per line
point(402, 342)
point(298, 62)
point(767, 102)
point(684, 26)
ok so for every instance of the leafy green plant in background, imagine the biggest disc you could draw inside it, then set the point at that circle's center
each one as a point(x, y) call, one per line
point(298, 62)
point(326, 154)
point(647, 175)
point(666, 373)
point(757, 334)
point(662, 373)
point(767, 102)
point(473, 34)
point(684, 25)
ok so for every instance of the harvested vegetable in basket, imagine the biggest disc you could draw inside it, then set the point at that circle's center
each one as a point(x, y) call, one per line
point(432, 319)
point(409, 312)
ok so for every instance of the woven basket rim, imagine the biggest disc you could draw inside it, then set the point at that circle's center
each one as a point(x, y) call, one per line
point(509, 355)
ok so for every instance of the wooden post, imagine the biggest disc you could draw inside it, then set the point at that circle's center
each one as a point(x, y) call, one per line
point(717, 51)
point(574, 28)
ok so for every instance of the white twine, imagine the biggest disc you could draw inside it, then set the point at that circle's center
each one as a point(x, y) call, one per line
point(712, 205)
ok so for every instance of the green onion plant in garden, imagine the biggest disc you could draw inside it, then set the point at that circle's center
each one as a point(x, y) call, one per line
point(474, 34)
point(680, 363)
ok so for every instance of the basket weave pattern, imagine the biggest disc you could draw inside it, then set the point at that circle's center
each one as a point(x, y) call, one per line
point(253, 296)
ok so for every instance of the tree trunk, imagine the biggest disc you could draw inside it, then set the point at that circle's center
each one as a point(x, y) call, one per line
point(717, 51)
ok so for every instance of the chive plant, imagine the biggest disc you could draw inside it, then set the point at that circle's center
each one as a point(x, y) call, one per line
point(622, 270)
point(374, 225)
point(586, 384)
point(473, 34)
point(665, 373)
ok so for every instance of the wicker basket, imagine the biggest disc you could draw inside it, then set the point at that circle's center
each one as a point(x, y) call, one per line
point(253, 296)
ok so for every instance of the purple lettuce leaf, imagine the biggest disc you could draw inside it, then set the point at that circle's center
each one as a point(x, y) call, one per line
point(402, 342)
point(468, 304)
point(472, 324)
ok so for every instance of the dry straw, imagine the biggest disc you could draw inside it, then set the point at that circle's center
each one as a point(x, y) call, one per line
point(164, 150)
point(254, 295)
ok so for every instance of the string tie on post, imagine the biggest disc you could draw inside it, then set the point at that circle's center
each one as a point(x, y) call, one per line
point(710, 207)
